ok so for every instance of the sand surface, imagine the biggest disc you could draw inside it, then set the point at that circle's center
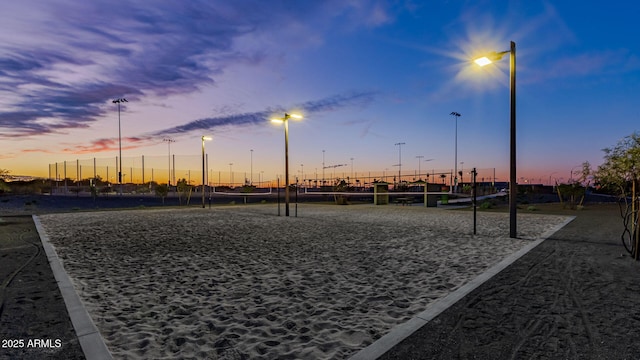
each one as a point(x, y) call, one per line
point(241, 282)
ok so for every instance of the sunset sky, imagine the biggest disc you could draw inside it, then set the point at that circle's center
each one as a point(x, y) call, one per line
point(365, 74)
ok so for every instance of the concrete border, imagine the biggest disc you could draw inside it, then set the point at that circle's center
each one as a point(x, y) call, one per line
point(403, 331)
point(89, 337)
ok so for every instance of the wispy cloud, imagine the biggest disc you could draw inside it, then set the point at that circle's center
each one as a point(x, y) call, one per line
point(109, 144)
point(62, 62)
point(328, 104)
point(331, 103)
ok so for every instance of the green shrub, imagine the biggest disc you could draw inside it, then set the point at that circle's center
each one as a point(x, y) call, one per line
point(486, 205)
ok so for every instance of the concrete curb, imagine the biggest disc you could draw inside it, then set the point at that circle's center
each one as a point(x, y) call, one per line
point(403, 331)
point(89, 337)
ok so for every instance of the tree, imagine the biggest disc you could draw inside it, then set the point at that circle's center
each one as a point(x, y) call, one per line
point(576, 188)
point(162, 190)
point(341, 199)
point(621, 167)
point(619, 175)
point(4, 174)
point(184, 190)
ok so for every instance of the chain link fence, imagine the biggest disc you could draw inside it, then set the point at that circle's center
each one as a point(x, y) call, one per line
point(142, 174)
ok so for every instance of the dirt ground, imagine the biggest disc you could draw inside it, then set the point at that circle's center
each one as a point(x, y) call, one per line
point(34, 323)
point(575, 296)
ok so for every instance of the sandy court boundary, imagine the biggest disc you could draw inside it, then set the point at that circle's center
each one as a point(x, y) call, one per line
point(91, 341)
point(235, 281)
point(402, 331)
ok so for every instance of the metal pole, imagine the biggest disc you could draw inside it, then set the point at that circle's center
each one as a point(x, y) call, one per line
point(203, 172)
point(636, 228)
point(169, 141)
point(633, 225)
point(456, 115)
point(399, 160)
point(455, 161)
point(322, 169)
point(475, 192)
point(278, 182)
point(65, 177)
point(513, 186)
point(119, 150)
point(208, 175)
point(286, 165)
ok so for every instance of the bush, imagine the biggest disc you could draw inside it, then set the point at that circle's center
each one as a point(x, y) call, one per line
point(486, 205)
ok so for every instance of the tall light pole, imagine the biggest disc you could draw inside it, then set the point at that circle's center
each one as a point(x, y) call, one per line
point(456, 115)
point(119, 101)
point(513, 190)
point(207, 138)
point(169, 141)
point(230, 175)
point(399, 159)
point(285, 120)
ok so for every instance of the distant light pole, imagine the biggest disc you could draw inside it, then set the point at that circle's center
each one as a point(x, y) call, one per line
point(322, 169)
point(119, 101)
point(419, 157)
point(251, 178)
point(352, 170)
point(230, 175)
point(399, 160)
point(207, 138)
point(285, 121)
point(456, 115)
point(428, 170)
point(169, 141)
point(513, 190)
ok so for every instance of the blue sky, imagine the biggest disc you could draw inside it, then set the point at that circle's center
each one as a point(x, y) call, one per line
point(365, 74)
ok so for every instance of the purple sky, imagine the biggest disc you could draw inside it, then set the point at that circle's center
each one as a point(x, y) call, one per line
point(365, 74)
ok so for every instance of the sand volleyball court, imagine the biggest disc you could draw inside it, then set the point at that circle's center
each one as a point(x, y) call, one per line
point(240, 282)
